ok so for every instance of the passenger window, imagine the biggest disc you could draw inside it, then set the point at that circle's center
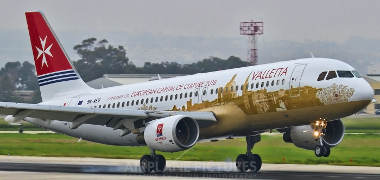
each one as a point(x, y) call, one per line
point(212, 91)
point(180, 96)
point(118, 104)
point(257, 85)
point(252, 86)
point(142, 101)
point(356, 74)
point(283, 81)
point(216, 91)
point(109, 105)
point(190, 94)
point(161, 98)
point(345, 74)
point(171, 97)
point(137, 102)
point(147, 101)
point(133, 102)
point(175, 96)
point(185, 95)
point(204, 92)
point(157, 99)
point(100, 106)
point(104, 106)
point(322, 76)
point(122, 104)
point(127, 103)
point(272, 83)
point(166, 98)
point(237, 88)
point(267, 83)
point(113, 105)
point(196, 93)
point(151, 100)
point(262, 84)
point(278, 82)
point(331, 75)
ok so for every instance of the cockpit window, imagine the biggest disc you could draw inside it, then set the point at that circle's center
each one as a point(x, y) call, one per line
point(356, 74)
point(331, 75)
point(322, 76)
point(345, 74)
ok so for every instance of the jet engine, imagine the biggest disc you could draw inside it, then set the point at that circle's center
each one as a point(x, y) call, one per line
point(305, 136)
point(171, 134)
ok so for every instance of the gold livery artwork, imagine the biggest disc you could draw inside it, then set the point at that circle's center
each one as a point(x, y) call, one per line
point(262, 101)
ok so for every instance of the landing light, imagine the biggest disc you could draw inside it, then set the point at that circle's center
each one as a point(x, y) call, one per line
point(318, 127)
point(316, 134)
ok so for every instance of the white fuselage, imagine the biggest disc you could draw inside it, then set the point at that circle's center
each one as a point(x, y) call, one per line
point(198, 92)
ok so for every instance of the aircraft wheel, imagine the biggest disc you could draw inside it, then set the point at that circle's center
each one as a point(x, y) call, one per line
point(242, 163)
point(147, 164)
point(322, 151)
point(255, 163)
point(326, 152)
point(160, 163)
point(318, 151)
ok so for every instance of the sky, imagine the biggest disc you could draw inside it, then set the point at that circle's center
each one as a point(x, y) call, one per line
point(186, 31)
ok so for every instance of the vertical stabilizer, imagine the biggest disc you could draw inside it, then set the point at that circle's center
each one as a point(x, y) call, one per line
point(56, 75)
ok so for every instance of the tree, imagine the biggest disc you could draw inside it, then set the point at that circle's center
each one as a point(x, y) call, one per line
point(98, 58)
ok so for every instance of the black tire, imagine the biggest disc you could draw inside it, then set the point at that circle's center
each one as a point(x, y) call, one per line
point(319, 151)
point(242, 163)
point(160, 164)
point(147, 164)
point(326, 151)
point(286, 137)
point(255, 163)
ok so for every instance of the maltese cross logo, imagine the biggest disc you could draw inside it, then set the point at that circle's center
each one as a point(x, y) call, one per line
point(44, 51)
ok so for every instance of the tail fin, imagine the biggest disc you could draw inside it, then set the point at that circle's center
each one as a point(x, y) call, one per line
point(56, 75)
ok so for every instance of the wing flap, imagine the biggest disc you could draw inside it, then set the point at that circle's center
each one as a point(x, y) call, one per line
point(80, 115)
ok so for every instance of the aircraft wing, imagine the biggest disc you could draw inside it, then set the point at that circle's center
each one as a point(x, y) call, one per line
point(116, 118)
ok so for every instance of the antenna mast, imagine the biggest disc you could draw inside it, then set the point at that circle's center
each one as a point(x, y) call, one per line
point(252, 29)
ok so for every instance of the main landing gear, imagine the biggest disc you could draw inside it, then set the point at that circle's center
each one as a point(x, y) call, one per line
point(249, 161)
point(153, 162)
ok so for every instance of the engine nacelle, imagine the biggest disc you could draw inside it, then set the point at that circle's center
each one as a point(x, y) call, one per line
point(302, 136)
point(171, 134)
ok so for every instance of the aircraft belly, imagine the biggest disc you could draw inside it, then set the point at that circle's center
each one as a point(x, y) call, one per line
point(94, 133)
point(232, 120)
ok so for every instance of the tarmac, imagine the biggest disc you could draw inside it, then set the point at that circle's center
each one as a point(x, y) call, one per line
point(33, 168)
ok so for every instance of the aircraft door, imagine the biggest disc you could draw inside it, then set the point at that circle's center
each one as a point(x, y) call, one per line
point(295, 79)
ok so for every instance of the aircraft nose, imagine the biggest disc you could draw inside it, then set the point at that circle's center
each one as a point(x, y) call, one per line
point(364, 91)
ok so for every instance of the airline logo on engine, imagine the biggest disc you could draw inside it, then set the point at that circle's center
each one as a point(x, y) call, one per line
point(159, 135)
point(159, 129)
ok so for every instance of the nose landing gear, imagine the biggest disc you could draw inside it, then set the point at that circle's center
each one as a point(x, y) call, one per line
point(323, 150)
point(249, 161)
point(319, 127)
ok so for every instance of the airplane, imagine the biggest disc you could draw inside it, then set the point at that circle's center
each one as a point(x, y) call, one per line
point(304, 99)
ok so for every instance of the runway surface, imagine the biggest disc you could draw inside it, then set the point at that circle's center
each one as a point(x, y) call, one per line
point(18, 167)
